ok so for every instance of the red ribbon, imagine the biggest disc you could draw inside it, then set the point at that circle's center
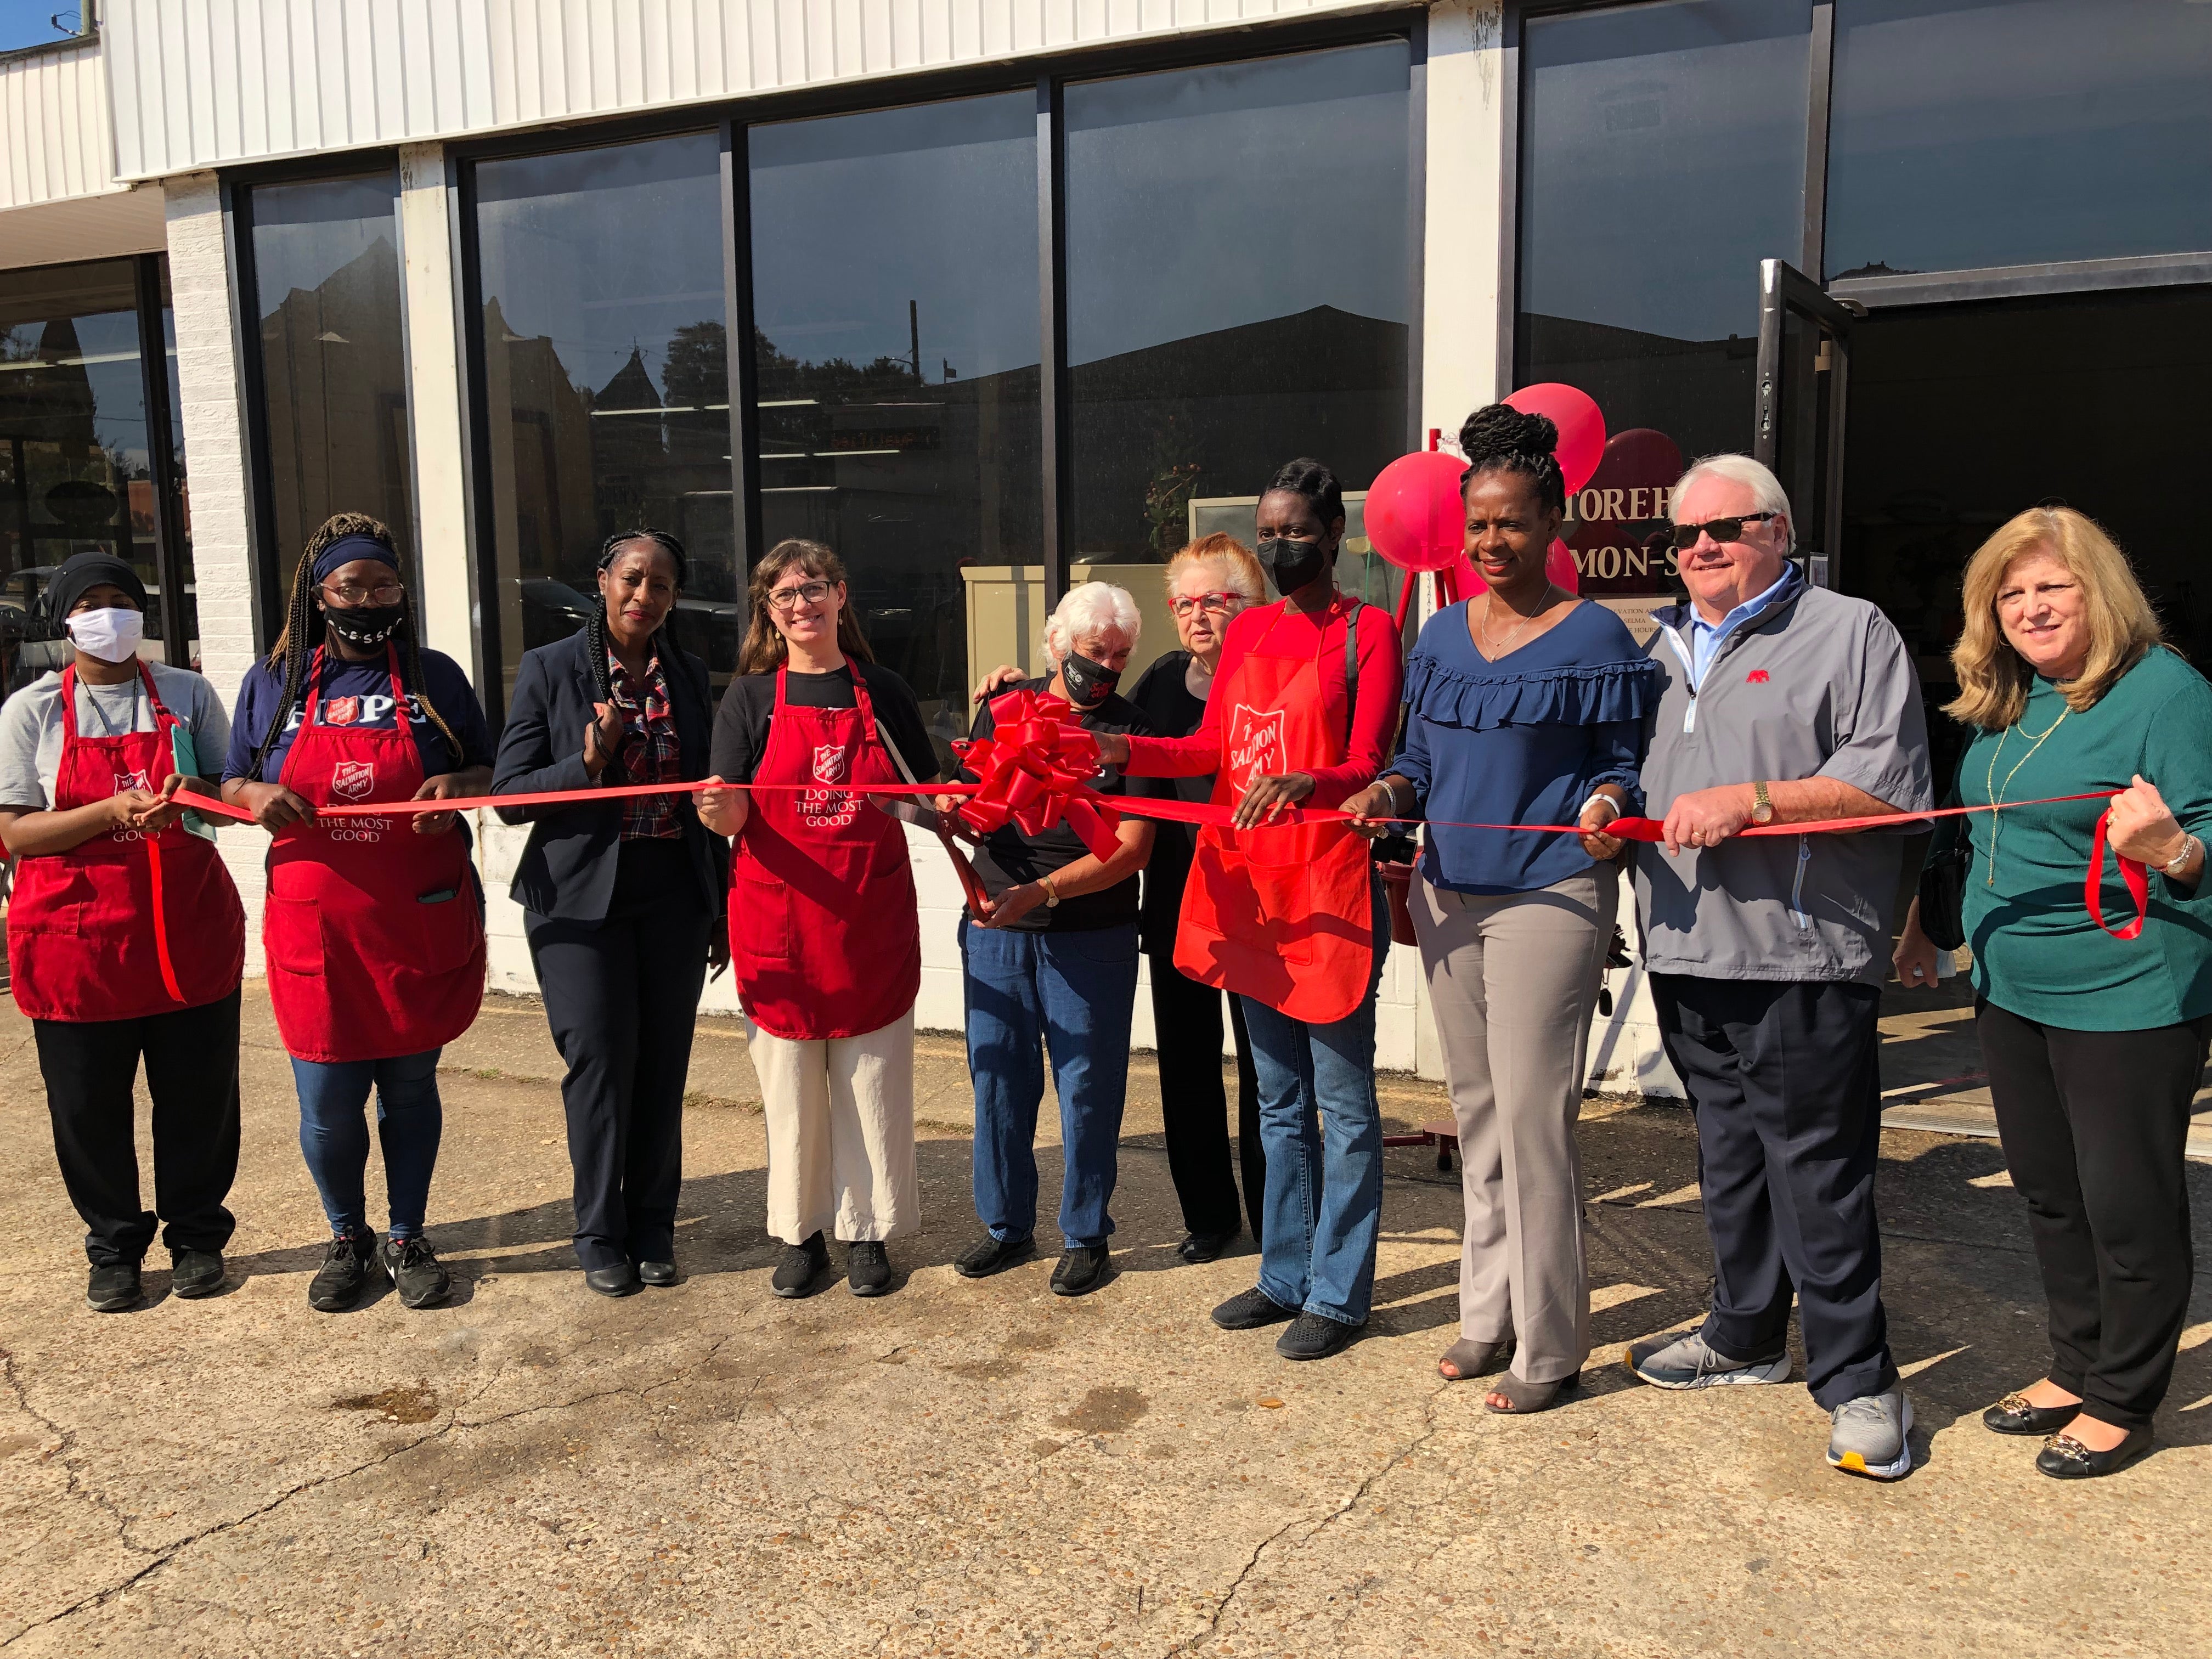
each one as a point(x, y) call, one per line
point(1035, 771)
point(2135, 875)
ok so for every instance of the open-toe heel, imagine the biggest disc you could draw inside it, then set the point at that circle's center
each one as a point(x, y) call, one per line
point(1526, 1397)
point(1472, 1358)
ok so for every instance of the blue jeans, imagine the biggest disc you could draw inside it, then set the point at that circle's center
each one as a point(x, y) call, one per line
point(1070, 992)
point(1324, 1206)
point(334, 1135)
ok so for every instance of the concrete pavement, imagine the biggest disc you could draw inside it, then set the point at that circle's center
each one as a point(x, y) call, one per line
point(984, 1468)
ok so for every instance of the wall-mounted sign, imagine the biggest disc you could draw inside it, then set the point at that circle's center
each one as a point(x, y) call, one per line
point(1617, 525)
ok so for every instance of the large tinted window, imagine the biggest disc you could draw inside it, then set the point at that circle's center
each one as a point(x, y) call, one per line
point(605, 380)
point(895, 281)
point(1663, 158)
point(1238, 294)
point(333, 367)
point(1967, 133)
point(75, 471)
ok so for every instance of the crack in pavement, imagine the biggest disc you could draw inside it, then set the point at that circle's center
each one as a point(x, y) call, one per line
point(1317, 1525)
point(74, 1485)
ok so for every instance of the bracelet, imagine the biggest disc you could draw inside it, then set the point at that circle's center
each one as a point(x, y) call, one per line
point(2172, 866)
point(1609, 800)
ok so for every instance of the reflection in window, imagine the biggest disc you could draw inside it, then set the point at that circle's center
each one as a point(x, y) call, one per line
point(1238, 246)
point(895, 283)
point(1967, 133)
point(1663, 158)
point(333, 371)
point(74, 471)
point(605, 379)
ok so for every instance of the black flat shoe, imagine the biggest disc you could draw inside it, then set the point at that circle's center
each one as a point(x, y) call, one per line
point(114, 1288)
point(659, 1274)
point(621, 1279)
point(1314, 1336)
point(2065, 1458)
point(1082, 1268)
point(988, 1255)
point(1206, 1247)
point(802, 1264)
point(2015, 1414)
point(1248, 1310)
point(195, 1274)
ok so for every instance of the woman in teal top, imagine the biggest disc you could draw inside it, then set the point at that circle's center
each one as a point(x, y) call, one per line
point(2094, 1044)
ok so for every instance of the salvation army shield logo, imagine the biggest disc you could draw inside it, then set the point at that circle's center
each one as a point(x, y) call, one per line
point(1255, 742)
point(125, 780)
point(353, 780)
point(342, 711)
point(829, 763)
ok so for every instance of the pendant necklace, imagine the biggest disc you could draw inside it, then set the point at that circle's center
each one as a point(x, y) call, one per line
point(1995, 793)
point(1493, 646)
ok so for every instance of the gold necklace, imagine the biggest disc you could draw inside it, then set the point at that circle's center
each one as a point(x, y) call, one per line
point(1991, 786)
point(1490, 599)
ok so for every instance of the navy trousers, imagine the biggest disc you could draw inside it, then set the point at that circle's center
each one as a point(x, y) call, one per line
point(1787, 1094)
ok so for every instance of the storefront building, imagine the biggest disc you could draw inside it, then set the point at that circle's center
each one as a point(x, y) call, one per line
point(997, 295)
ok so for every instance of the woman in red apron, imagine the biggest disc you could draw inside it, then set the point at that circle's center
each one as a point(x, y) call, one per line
point(1290, 917)
point(125, 934)
point(822, 923)
point(373, 927)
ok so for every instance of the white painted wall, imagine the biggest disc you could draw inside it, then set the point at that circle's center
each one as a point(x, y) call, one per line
point(56, 142)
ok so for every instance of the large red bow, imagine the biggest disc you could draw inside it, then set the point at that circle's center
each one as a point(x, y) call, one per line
point(1035, 770)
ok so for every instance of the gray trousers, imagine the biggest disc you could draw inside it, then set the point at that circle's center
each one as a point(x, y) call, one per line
point(1513, 979)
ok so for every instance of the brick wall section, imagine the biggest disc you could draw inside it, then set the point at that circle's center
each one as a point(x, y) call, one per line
point(211, 419)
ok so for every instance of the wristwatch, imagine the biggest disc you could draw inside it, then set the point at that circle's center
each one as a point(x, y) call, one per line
point(1762, 808)
point(1051, 894)
point(2173, 866)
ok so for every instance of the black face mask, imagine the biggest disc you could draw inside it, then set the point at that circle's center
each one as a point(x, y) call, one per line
point(1089, 684)
point(1292, 564)
point(364, 624)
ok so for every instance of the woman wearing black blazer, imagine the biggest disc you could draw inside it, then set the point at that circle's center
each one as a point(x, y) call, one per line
point(622, 901)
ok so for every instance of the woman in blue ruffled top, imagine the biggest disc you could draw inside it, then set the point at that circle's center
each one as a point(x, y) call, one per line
point(1524, 705)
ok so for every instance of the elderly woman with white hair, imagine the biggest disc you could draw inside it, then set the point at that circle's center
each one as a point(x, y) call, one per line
point(1051, 967)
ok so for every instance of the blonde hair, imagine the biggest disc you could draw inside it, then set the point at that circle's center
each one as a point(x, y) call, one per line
point(1243, 572)
point(1994, 677)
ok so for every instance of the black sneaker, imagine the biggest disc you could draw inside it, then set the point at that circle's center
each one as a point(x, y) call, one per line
point(988, 1255)
point(1312, 1336)
point(1082, 1268)
point(801, 1265)
point(195, 1274)
point(114, 1288)
point(346, 1273)
point(868, 1268)
point(1250, 1310)
point(421, 1278)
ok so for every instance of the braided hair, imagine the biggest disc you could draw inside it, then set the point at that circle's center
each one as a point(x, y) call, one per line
point(595, 626)
point(303, 632)
point(1499, 438)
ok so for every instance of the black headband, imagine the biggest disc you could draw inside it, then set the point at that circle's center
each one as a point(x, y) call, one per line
point(81, 572)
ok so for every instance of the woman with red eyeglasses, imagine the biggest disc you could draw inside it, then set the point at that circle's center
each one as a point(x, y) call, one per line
point(1208, 582)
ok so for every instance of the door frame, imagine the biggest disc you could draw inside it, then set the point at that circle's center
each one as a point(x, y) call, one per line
point(1783, 290)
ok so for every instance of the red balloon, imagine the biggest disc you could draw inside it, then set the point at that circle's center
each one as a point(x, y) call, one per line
point(1581, 423)
point(1559, 566)
point(1413, 514)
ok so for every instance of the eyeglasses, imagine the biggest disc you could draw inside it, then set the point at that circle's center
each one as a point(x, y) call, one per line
point(788, 599)
point(355, 593)
point(1720, 530)
point(1183, 605)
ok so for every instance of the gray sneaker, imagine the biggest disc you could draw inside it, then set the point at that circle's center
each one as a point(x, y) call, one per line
point(1871, 1435)
point(1681, 1359)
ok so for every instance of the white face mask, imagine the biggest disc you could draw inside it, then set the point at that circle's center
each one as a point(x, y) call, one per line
point(111, 636)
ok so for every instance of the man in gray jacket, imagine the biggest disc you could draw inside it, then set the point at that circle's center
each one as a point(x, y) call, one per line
point(1782, 703)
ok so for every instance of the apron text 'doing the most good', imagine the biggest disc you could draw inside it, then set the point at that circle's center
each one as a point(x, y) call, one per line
point(123, 925)
point(374, 944)
point(822, 926)
point(1283, 916)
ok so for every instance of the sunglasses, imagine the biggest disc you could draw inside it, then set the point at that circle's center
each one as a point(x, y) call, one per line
point(1720, 530)
point(1183, 605)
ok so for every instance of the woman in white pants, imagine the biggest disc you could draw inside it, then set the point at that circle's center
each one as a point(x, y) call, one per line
point(822, 926)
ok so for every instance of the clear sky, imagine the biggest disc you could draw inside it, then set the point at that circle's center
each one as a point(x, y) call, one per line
point(24, 22)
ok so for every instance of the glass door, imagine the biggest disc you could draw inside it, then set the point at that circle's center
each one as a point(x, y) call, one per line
point(1804, 376)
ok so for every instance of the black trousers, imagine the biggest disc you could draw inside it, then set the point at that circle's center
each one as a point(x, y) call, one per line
point(1187, 1031)
point(2094, 1125)
point(1787, 1095)
point(192, 1071)
point(621, 996)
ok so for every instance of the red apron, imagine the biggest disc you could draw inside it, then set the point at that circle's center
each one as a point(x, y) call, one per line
point(823, 925)
point(1285, 915)
point(123, 925)
point(374, 946)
